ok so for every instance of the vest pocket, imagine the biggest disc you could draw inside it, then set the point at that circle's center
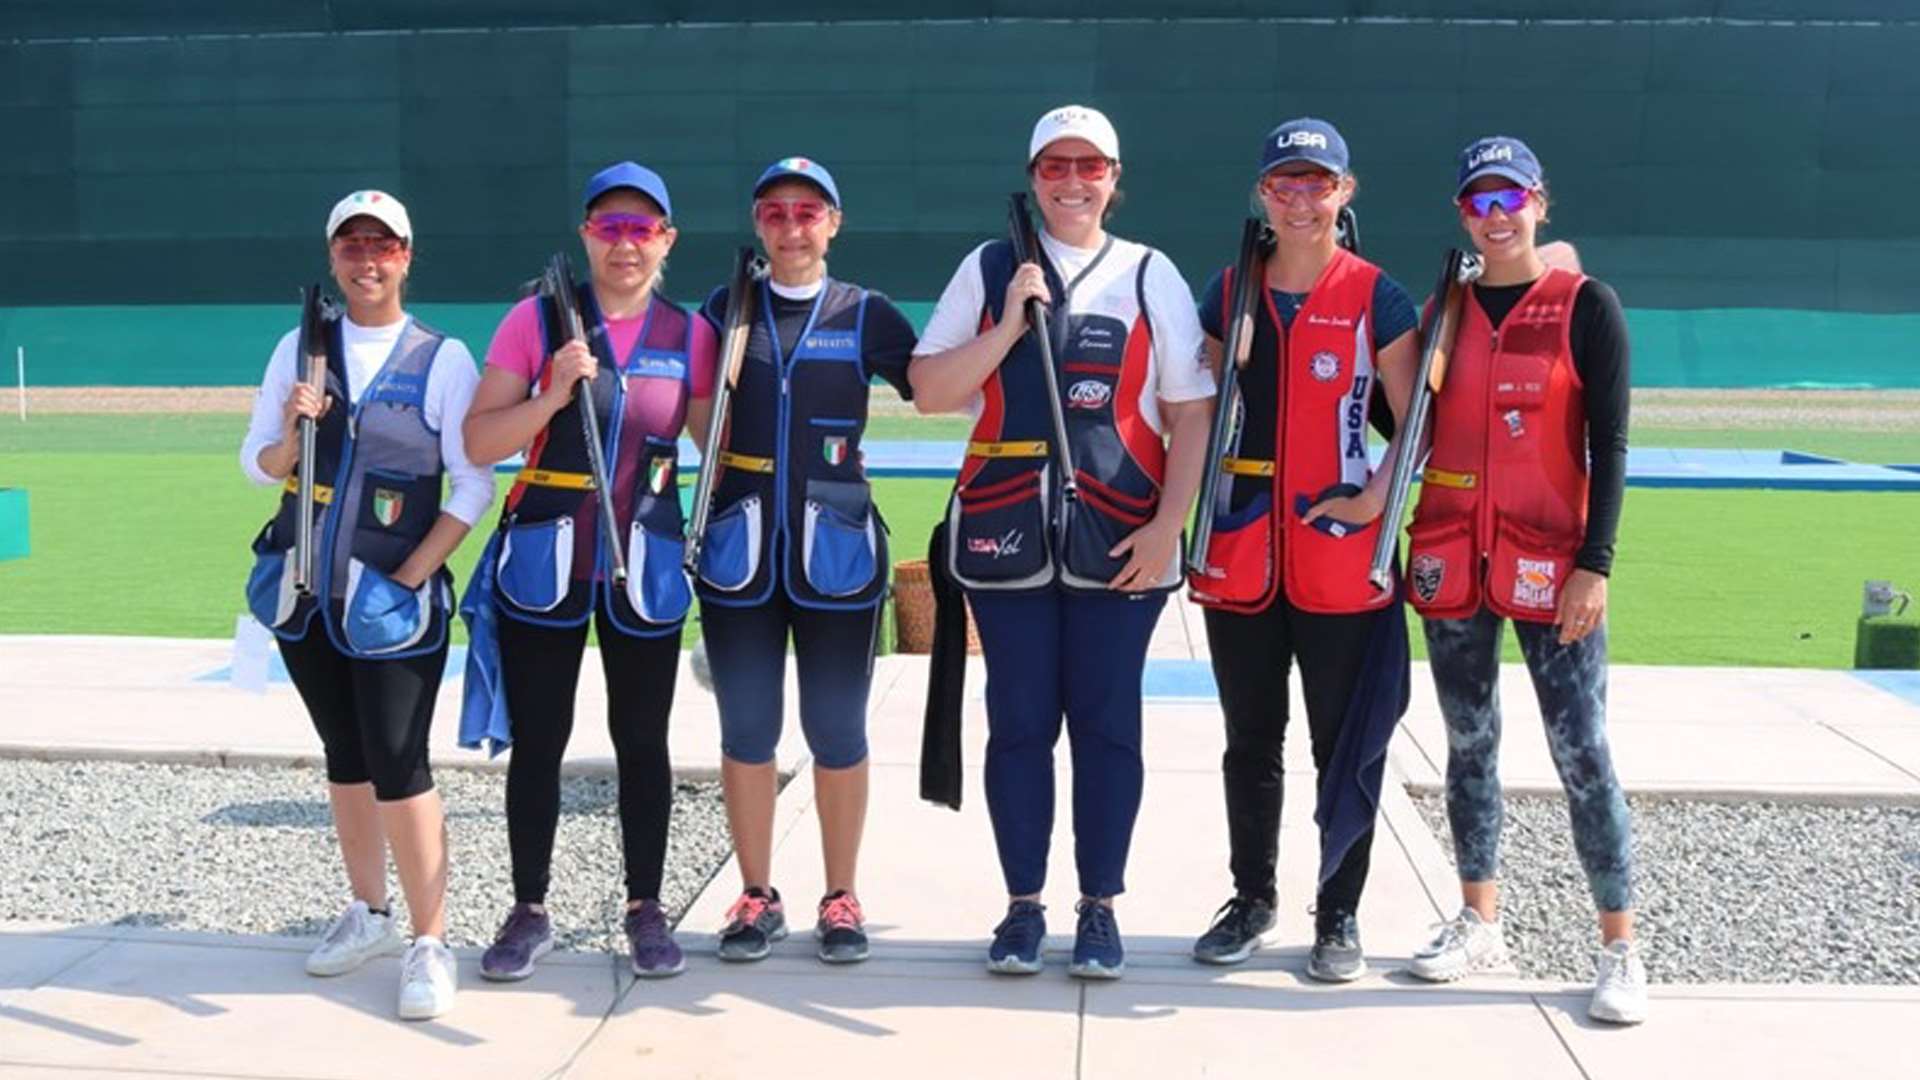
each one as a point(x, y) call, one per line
point(1441, 572)
point(1101, 518)
point(730, 553)
point(1526, 569)
point(270, 595)
point(536, 563)
point(657, 587)
point(837, 537)
point(997, 532)
point(383, 616)
point(396, 510)
point(1240, 562)
point(1520, 380)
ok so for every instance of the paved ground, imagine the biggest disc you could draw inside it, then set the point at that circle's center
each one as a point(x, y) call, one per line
point(105, 1001)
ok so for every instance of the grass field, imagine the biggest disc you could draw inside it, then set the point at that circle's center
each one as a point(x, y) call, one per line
point(140, 526)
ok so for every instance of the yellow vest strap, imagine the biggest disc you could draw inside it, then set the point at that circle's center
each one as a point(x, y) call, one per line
point(571, 481)
point(322, 493)
point(1246, 466)
point(1464, 481)
point(746, 462)
point(1034, 448)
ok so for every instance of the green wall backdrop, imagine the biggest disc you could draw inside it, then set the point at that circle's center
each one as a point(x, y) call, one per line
point(1709, 156)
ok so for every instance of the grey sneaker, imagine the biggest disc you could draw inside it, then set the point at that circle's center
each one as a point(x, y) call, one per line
point(1620, 987)
point(754, 923)
point(842, 929)
point(524, 938)
point(1465, 944)
point(650, 943)
point(1236, 931)
point(356, 937)
point(1336, 955)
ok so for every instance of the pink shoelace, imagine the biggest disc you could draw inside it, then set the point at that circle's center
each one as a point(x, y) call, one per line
point(842, 911)
point(747, 910)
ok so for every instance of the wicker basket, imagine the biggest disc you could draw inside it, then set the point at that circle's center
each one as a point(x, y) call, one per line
point(913, 610)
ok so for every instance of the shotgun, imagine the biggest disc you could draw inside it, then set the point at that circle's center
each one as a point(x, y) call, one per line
point(1249, 275)
point(748, 271)
point(315, 313)
point(1026, 249)
point(557, 287)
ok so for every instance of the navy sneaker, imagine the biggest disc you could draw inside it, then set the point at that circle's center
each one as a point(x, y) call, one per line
point(842, 929)
point(754, 923)
point(1236, 931)
point(1018, 939)
point(1336, 955)
point(1096, 944)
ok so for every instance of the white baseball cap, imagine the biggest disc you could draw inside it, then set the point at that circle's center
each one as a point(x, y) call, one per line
point(1074, 122)
point(377, 205)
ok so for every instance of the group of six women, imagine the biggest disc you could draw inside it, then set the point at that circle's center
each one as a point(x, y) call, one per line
point(1516, 520)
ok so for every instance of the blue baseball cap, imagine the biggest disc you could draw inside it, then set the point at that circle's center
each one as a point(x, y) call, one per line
point(627, 174)
point(1498, 155)
point(799, 168)
point(1305, 139)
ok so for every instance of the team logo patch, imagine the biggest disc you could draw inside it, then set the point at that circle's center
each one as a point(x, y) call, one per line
point(659, 474)
point(1428, 571)
point(1533, 583)
point(387, 504)
point(1516, 426)
point(998, 547)
point(834, 449)
point(1325, 366)
point(1088, 394)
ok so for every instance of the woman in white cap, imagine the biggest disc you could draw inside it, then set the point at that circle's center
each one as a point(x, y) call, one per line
point(1066, 593)
point(646, 369)
point(367, 647)
point(1293, 536)
point(1516, 521)
point(796, 550)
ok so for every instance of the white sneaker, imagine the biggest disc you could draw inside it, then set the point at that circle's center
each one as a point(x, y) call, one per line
point(428, 978)
point(1620, 988)
point(356, 937)
point(1465, 945)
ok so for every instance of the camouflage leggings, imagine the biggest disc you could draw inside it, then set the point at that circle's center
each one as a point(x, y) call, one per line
point(1571, 681)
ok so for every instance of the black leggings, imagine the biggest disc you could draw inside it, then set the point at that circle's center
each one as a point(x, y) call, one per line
point(540, 667)
point(1251, 655)
point(372, 715)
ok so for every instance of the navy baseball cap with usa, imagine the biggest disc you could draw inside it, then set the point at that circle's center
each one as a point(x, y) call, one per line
point(1499, 155)
point(1306, 139)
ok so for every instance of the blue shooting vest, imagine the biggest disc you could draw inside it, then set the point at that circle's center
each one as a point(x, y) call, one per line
point(377, 481)
point(792, 488)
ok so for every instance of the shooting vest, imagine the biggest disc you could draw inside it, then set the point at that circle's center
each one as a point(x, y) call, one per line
point(377, 481)
point(553, 564)
point(1503, 502)
point(1008, 526)
point(1305, 392)
point(791, 504)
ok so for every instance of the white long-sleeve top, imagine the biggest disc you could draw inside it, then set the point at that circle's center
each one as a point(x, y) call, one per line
point(450, 385)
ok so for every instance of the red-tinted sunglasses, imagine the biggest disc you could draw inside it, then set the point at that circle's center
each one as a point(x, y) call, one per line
point(1481, 203)
point(1058, 167)
point(368, 248)
point(1283, 186)
point(805, 213)
point(611, 228)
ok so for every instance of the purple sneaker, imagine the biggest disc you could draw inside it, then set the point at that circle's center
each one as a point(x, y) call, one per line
point(525, 937)
point(650, 943)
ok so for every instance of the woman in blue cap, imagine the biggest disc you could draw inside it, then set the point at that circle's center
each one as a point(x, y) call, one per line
point(1293, 535)
point(796, 549)
point(1517, 520)
point(1066, 594)
point(367, 645)
point(645, 368)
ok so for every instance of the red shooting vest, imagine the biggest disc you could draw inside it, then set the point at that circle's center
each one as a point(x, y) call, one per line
point(1503, 505)
point(1323, 372)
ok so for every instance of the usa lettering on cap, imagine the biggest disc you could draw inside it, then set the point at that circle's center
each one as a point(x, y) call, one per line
point(1491, 153)
point(1301, 138)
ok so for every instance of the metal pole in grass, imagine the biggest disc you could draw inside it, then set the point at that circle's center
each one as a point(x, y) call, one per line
point(20, 368)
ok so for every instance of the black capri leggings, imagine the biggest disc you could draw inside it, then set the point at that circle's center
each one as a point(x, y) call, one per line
point(372, 715)
point(540, 667)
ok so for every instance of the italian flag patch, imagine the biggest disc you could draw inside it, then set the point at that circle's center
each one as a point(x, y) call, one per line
point(658, 474)
point(387, 504)
point(834, 449)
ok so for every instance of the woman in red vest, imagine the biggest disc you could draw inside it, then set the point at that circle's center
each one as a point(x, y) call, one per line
point(1517, 516)
point(1286, 574)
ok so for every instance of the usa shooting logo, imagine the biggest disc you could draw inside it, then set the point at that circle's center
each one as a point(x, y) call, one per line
point(1325, 366)
point(1088, 394)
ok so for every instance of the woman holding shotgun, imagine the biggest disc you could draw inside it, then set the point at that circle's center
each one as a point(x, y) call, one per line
point(645, 368)
point(1284, 577)
point(794, 547)
point(364, 637)
point(1516, 520)
point(1064, 527)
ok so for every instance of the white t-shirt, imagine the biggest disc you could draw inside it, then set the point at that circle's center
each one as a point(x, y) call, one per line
point(1176, 366)
point(450, 384)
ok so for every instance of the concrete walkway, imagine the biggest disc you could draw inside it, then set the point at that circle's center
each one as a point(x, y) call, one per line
point(121, 1002)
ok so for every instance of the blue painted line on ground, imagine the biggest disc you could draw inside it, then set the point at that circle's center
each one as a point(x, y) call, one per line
point(1179, 680)
point(1904, 685)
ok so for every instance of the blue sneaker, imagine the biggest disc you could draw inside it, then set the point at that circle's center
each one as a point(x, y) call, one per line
point(1096, 944)
point(1017, 940)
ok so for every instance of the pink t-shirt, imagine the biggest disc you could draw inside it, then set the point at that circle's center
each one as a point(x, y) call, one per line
point(653, 406)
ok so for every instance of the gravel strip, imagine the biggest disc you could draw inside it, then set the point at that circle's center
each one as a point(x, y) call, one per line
point(1728, 892)
point(252, 850)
